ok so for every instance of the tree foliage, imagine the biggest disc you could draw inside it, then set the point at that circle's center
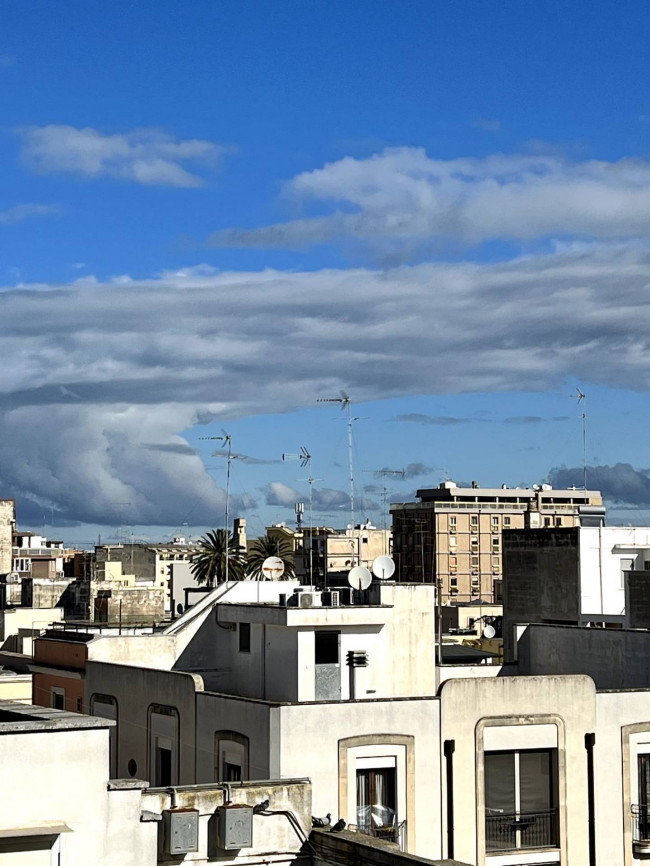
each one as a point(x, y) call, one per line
point(264, 547)
point(209, 563)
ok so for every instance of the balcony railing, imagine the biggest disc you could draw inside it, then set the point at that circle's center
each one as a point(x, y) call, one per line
point(391, 833)
point(521, 830)
point(641, 827)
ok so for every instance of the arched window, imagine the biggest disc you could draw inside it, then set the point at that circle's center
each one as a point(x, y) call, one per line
point(230, 757)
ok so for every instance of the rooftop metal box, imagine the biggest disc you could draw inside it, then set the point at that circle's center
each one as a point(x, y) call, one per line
point(234, 827)
point(180, 831)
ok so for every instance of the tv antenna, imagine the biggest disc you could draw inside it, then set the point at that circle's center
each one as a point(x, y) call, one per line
point(305, 463)
point(581, 397)
point(226, 438)
point(384, 474)
point(346, 403)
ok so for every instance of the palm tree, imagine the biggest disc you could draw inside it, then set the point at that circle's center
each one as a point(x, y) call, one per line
point(209, 564)
point(264, 547)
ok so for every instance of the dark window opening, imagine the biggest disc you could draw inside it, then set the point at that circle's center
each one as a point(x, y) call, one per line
point(326, 647)
point(58, 700)
point(244, 637)
point(163, 767)
point(231, 772)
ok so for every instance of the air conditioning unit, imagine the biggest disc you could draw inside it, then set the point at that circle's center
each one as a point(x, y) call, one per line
point(13, 577)
point(306, 599)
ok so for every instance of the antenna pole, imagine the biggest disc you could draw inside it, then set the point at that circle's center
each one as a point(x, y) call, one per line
point(351, 464)
point(229, 459)
point(584, 443)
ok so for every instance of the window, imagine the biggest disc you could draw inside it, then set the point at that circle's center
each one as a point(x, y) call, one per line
point(453, 583)
point(364, 541)
point(558, 521)
point(506, 520)
point(474, 519)
point(377, 800)
point(244, 637)
point(642, 814)
point(453, 560)
point(474, 561)
point(452, 522)
point(521, 800)
point(452, 541)
point(230, 757)
point(495, 522)
point(326, 647)
point(547, 521)
point(57, 698)
point(163, 746)
point(495, 542)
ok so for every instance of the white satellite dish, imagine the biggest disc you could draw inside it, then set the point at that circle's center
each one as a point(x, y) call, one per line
point(359, 577)
point(273, 568)
point(489, 632)
point(383, 567)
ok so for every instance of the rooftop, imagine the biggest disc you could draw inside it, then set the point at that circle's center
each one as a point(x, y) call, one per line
point(27, 718)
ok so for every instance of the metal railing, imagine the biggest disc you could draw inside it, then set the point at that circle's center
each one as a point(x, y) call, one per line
point(641, 824)
point(521, 830)
point(394, 833)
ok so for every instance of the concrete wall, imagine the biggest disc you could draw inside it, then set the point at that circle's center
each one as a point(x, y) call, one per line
point(7, 525)
point(541, 579)
point(614, 658)
point(528, 707)
point(328, 739)
point(255, 720)
point(16, 687)
point(135, 689)
point(18, 626)
point(623, 724)
point(51, 785)
point(275, 838)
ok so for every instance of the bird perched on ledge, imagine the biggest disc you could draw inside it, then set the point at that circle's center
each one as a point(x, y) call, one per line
point(261, 807)
point(340, 825)
point(322, 822)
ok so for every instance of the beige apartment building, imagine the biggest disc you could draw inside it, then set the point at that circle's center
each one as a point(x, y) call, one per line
point(453, 534)
point(334, 551)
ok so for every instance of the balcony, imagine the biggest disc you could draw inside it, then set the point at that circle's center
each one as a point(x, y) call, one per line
point(521, 830)
point(380, 823)
point(640, 830)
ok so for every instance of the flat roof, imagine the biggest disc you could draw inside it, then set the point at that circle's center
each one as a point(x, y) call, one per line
point(18, 718)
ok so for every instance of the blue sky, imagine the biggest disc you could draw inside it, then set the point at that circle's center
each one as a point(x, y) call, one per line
point(212, 214)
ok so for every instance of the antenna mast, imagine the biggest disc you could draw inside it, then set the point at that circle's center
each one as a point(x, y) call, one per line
point(227, 440)
point(305, 461)
point(383, 474)
point(346, 402)
point(581, 397)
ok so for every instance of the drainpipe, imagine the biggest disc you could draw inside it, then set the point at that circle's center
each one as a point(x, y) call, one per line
point(590, 741)
point(449, 749)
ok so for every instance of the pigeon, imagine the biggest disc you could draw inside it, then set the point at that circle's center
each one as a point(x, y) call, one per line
point(261, 807)
point(340, 825)
point(321, 822)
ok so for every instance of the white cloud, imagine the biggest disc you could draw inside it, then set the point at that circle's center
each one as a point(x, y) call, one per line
point(409, 201)
point(145, 156)
point(20, 212)
point(97, 379)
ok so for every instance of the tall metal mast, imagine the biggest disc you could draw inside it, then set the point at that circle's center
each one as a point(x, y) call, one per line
point(581, 397)
point(346, 402)
point(226, 438)
point(383, 474)
point(305, 461)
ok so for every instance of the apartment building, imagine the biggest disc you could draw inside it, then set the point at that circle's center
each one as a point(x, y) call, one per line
point(7, 527)
point(333, 552)
point(454, 534)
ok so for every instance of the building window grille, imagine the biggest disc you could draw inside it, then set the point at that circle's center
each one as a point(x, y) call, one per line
point(521, 796)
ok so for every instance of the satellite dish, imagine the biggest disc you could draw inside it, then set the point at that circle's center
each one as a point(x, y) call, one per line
point(489, 632)
point(383, 567)
point(273, 568)
point(359, 577)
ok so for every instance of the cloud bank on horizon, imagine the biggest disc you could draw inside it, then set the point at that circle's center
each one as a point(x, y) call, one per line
point(99, 414)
